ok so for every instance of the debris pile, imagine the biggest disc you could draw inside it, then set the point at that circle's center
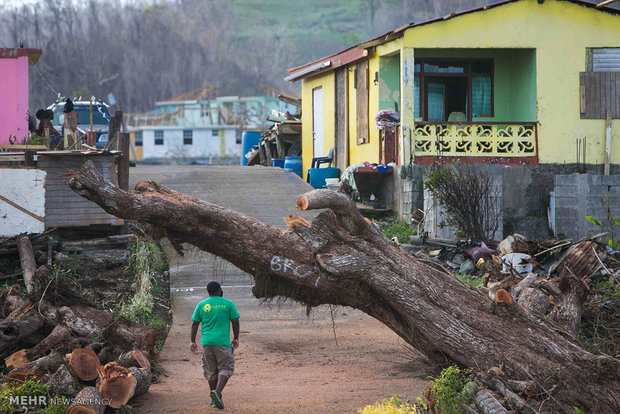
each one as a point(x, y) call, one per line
point(60, 329)
point(573, 287)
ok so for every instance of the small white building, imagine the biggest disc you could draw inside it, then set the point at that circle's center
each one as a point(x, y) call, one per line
point(175, 142)
point(196, 125)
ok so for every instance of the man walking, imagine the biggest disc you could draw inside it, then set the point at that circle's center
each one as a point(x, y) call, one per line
point(216, 314)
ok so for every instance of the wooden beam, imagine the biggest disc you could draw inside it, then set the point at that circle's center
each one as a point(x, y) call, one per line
point(24, 147)
point(22, 209)
point(605, 3)
point(607, 142)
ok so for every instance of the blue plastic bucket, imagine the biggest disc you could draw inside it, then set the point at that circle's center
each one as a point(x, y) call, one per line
point(318, 175)
point(294, 163)
point(248, 140)
point(277, 162)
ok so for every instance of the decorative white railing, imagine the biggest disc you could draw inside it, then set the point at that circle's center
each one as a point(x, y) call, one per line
point(489, 139)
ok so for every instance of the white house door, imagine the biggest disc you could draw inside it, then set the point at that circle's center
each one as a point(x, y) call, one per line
point(317, 121)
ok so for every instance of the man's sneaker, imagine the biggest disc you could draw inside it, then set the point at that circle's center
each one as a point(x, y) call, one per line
point(217, 399)
point(212, 404)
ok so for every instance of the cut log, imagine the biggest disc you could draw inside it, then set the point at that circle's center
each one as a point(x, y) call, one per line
point(514, 401)
point(64, 378)
point(567, 313)
point(342, 259)
point(116, 384)
point(49, 363)
point(19, 327)
point(89, 323)
point(17, 359)
point(108, 354)
point(487, 404)
point(534, 301)
point(59, 334)
point(144, 378)
point(87, 401)
point(527, 281)
point(19, 376)
point(84, 363)
point(28, 264)
point(134, 358)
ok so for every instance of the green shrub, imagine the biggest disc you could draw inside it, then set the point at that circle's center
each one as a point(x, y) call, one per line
point(31, 388)
point(400, 229)
point(447, 389)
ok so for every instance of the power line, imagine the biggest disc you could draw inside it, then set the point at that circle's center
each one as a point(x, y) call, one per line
point(42, 78)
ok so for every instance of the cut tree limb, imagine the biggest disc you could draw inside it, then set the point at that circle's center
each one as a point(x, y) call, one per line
point(58, 335)
point(342, 259)
point(84, 363)
point(116, 384)
point(28, 263)
point(144, 378)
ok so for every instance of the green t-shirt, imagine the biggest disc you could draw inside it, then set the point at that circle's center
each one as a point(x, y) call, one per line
point(215, 314)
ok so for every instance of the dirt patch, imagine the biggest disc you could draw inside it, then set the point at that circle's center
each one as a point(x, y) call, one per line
point(288, 363)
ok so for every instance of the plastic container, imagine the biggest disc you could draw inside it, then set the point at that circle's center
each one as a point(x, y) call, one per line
point(518, 262)
point(332, 182)
point(294, 163)
point(277, 162)
point(318, 175)
point(248, 140)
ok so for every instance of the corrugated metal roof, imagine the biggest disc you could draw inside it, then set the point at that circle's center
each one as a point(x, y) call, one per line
point(606, 59)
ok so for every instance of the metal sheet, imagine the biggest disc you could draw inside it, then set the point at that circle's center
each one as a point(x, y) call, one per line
point(606, 59)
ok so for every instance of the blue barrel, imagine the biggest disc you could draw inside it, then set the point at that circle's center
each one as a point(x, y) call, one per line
point(294, 163)
point(318, 175)
point(248, 140)
point(277, 162)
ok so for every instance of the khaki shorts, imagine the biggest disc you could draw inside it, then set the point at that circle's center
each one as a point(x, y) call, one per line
point(217, 360)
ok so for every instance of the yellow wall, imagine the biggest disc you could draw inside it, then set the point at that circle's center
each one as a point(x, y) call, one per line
point(326, 82)
point(560, 32)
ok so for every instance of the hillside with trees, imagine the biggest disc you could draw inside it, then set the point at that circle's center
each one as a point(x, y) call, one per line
point(143, 51)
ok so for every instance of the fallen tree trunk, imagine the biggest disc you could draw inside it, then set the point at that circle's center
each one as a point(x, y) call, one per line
point(343, 259)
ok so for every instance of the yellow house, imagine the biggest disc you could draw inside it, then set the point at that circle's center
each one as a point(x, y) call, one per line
point(518, 83)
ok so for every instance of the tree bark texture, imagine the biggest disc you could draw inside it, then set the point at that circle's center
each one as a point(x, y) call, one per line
point(343, 259)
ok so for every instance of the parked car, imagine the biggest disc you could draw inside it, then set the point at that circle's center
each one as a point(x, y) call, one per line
point(101, 118)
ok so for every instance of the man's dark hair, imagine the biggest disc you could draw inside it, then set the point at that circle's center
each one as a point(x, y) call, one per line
point(214, 288)
point(68, 106)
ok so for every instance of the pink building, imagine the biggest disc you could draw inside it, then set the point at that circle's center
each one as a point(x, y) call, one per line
point(14, 92)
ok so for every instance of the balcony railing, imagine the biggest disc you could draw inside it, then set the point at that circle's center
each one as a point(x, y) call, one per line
point(488, 139)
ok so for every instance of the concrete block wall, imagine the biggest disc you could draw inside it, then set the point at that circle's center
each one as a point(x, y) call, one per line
point(581, 195)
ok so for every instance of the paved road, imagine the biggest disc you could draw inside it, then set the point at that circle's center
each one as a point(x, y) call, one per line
point(287, 362)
